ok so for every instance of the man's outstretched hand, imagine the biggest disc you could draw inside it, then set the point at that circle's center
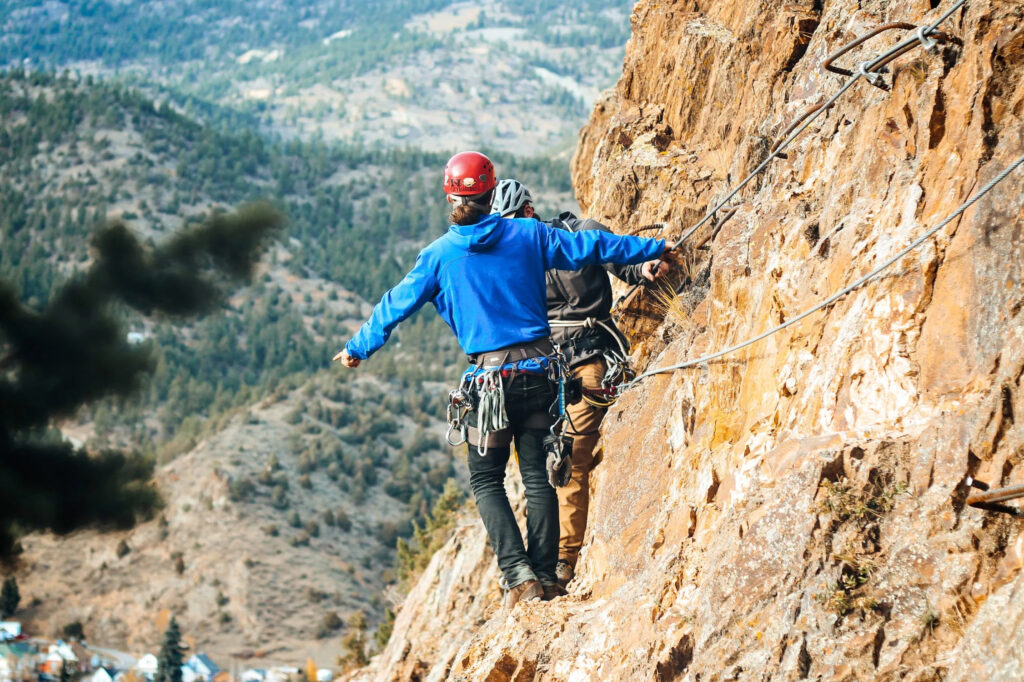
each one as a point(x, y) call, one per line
point(347, 359)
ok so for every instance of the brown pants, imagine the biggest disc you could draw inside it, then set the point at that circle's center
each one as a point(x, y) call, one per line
point(574, 498)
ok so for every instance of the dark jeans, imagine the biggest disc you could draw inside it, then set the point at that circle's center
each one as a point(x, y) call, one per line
point(536, 561)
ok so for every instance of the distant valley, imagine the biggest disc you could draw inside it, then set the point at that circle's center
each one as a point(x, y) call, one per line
point(286, 483)
point(431, 74)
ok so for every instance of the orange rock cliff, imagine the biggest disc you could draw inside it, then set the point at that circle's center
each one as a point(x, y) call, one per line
point(795, 510)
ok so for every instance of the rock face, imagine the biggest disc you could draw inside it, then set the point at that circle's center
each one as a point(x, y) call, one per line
point(795, 510)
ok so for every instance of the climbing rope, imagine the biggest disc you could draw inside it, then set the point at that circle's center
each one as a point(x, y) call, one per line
point(866, 69)
point(835, 297)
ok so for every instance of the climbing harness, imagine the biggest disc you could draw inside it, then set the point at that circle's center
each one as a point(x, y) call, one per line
point(867, 69)
point(836, 296)
point(482, 391)
point(619, 368)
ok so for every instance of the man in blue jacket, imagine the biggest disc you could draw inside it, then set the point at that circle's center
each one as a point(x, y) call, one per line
point(485, 277)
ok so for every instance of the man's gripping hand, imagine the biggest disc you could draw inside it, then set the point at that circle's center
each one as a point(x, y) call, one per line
point(673, 256)
point(654, 269)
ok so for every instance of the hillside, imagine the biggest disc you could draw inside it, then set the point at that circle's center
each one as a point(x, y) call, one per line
point(286, 483)
point(433, 74)
point(269, 527)
point(795, 509)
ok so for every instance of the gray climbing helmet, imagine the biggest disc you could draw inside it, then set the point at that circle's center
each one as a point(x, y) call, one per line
point(509, 197)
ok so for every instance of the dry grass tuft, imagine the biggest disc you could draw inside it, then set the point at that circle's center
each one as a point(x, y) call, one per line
point(669, 305)
point(917, 69)
point(720, 161)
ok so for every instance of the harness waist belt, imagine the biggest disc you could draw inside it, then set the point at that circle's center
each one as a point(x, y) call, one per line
point(594, 323)
point(588, 343)
point(501, 356)
point(589, 322)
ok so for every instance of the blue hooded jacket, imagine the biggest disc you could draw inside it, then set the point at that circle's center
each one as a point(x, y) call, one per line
point(487, 281)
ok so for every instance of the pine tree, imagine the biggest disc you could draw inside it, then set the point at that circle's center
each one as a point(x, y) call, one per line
point(171, 655)
point(354, 643)
point(9, 597)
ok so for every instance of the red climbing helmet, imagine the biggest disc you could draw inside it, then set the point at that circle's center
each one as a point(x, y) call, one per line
point(468, 174)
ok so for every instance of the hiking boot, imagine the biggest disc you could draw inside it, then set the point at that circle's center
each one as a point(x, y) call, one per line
point(531, 590)
point(553, 591)
point(564, 572)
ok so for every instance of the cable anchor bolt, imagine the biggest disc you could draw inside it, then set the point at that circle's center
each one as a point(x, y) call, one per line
point(873, 77)
point(927, 43)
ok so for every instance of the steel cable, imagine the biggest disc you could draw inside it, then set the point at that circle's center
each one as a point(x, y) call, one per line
point(866, 68)
point(835, 297)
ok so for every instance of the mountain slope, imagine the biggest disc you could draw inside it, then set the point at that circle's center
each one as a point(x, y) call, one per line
point(434, 74)
point(259, 445)
point(269, 527)
point(794, 510)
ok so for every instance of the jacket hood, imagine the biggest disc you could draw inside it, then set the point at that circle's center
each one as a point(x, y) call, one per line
point(481, 236)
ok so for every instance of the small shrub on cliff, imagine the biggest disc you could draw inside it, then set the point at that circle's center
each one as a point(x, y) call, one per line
point(384, 630)
point(844, 596)
point(842, 502)
point(354, 644)
point(414, 556)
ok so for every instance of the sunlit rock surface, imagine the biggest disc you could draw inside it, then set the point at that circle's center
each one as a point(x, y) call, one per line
point(795, 510)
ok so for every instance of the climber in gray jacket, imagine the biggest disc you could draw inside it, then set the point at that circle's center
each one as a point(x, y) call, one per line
point(579, 312)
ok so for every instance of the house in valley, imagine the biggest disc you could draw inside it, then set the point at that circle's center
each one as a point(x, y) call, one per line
point(103, 675)
point(254, 675)
point(203, 667)
point(147, 666)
